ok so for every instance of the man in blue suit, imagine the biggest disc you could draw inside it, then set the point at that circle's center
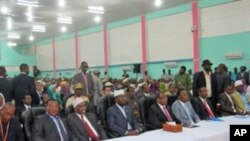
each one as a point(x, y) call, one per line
point(120, 118)
point(183, 110)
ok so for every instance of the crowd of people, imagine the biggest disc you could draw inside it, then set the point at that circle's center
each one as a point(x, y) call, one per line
point(74, 106)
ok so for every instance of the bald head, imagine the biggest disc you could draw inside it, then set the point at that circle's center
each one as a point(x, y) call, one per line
point(8, 112)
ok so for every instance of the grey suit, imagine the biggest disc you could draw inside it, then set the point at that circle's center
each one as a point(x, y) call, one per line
point(118, 123)
point(44, 129)
point(79, 133)
point(98, 86)
point(78, 78)
point(181, 114)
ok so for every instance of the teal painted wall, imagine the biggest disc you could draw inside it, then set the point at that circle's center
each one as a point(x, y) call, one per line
point(214, 48)
point(12, 57)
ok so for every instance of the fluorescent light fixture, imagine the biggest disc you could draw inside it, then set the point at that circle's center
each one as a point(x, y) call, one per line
point(12, 44)
point(32, 3)
point(64, 20)
point(96, 9)
point(31, 38)
point(4, 10)
point(97, 19)
point(158, 3)
point(38, 28)
point(63, 29)
point(14, 36)
point(9, 24)
point(61, 3)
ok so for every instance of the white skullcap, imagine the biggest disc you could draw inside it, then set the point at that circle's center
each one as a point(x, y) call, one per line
point(118, 93)
point(77, 101)
point(108, 84)
point(238, 83)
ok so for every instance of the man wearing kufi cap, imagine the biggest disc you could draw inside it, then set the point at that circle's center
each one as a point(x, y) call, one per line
point(119, 117)
point(242, 102)
point(83, 125)
point(77, 93)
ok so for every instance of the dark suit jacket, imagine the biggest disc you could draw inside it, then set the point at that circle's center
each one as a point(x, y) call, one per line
point(118, 123)
point(15, 131)
point(200, 108)
point(22, 84)
point(78, 78)
point(6, 89)
point(44, 129)
point(245, 77)
point(78, 132)
point(156, 117)
point(226, 105)
point(200, 81)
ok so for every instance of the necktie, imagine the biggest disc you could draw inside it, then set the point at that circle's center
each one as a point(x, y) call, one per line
point(86, 82)
point(210, 113)
point(62, 132)
point(89, 130)
point(188, 113)
point(167, 114)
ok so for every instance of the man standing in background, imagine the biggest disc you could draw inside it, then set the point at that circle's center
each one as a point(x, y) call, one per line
point(97, 85)
point(23, 84)
point(5, 85)
point(87, 81)
point(182, 79)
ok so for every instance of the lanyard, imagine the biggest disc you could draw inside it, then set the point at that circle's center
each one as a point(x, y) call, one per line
point(4, 137)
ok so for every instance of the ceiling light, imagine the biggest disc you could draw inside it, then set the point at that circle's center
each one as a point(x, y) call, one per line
point(97, 19)
point(14, 36)
point(4, 10)
point(31, 38)
point(32, 3)
point(64, 20)
point(158, 3)
point(96, 9)
point(38, 28)
point(63, 29)
point(61, 3)
point(12, 44)
point(30, 19)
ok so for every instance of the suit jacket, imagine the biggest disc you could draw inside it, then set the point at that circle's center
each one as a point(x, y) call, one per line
point(118, 123)
point(20, 109)
point(98, 88)
point(245, 77)
point(200, 81)
point(15, 131)
point(78, 78)
point(156, 117)
point(226, 105)
point(180, 113)
point(6, 88)
point(44, 129)
point(200, 109)
point(78, 132)
point(23, 84)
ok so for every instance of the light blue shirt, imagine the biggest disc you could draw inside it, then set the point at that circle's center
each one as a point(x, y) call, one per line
point(124, 114)
point(245, 101)
point(58, 126)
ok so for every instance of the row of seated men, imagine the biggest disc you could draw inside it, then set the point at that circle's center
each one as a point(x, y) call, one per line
point(119, 118)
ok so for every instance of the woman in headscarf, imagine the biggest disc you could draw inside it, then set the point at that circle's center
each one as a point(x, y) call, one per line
point(2, 101)
point(53, 95)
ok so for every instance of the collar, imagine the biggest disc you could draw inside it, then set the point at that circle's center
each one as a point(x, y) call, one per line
point(182, 103)
point(161, 106)
point(209, 73)
point(202, 99)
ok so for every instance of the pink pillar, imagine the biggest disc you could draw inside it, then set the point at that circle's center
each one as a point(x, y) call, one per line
point(144, 43)
point(195, 15)
point(54, 57)
point(105, 36)
point(76, 52)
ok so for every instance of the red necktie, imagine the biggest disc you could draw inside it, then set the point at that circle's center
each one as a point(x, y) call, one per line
point(211, 115)
point(89, 130)
point(167, 114)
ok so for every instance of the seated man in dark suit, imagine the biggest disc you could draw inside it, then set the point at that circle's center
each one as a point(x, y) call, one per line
point(25, 106)
point(202, 105)
point(226, 101)
point(11, 128)
point(50, 127)
point(120, 118)
point(160, 112)
point(82, 125)
point(183, 110)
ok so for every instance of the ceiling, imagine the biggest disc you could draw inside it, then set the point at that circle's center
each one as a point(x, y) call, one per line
point(48, 11)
